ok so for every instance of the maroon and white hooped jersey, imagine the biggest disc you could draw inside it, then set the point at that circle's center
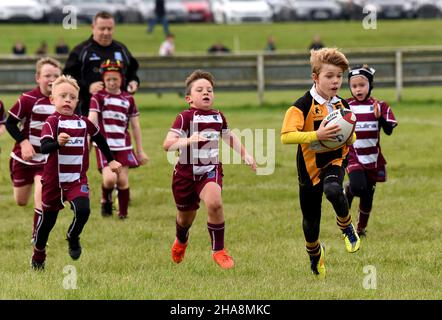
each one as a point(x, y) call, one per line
point(197, 159)
point(32, 108)
point(366, 150)
point(114, 113)
point(2, 113)
point(68, 163)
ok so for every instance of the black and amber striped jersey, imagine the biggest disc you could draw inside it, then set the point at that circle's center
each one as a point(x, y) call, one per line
point(306, 115)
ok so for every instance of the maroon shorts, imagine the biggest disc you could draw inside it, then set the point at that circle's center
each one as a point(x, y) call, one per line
point(23, 174)
point(186, 191)
point(53, 197)
point(125, 157)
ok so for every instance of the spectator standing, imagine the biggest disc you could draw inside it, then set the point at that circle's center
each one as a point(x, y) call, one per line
point(85, 59)
point(160, 16)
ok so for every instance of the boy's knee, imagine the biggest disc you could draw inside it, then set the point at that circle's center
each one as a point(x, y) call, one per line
point(21, 202)
point(215, 206)
point(358, 189)
point(82, 207)
point(332, 190)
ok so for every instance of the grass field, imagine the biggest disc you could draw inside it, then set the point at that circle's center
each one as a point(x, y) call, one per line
point(251, 37)
point(131, 259)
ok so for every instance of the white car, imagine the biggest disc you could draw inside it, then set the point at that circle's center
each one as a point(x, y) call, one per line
point(21, 10)
point(236, 11)
point(315, 9)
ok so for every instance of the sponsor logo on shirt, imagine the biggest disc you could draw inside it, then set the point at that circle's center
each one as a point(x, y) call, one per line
point(94, 57)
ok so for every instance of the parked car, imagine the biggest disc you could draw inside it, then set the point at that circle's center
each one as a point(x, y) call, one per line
point(236, 11)
point(85, 9)
point(427, 8)
point(21, 10)
point(128, 12)
point(315, 9)
point(175, 10)
point(281, 10)
point(199, 10)
point(385, 9)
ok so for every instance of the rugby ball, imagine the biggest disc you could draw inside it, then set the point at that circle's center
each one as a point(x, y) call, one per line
point(346, 120)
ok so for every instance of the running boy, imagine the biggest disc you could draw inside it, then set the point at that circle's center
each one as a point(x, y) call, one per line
point(113, 110)
point(320, 170)
point(64, 138)
point(24, 124)
point(198, 174)
point(366, 164)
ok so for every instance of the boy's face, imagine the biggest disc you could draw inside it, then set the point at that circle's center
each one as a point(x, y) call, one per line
point(112, 81)
point(201, 94)
point(65, 98)
point(328, 81)
point(48, 73)
point(359, 87)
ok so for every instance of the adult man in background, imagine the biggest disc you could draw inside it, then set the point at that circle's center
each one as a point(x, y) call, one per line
point(85, 59)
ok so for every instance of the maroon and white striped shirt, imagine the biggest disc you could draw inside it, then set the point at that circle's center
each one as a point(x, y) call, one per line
point(32, 108)
point(2, 113)
point(366, 150)
point(114, 113)
point(69, 163)
point(202, 157)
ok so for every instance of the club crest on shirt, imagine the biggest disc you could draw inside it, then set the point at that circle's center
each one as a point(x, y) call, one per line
point(118, 55)
point(211, 175)
point(84, 188)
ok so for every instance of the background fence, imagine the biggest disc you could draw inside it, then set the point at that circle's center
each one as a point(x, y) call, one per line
point(399, 68)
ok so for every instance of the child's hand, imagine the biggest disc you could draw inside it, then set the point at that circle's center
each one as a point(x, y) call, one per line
point(27, 150)
point(115, 166)
point(63, 138)
point(142, 158)
point(96, 86)
point(327, 133)
point(132, 87)
point(196, 137)
point(250, 161)
point(377, 109)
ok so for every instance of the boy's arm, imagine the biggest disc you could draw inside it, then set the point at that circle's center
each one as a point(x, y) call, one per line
point(136, 131)
point(100, 140)
point(48, 145)
point(232, 140)
point(27, 150)
point(294, 121)
point(174, 142)
point(93, 117)
point(14, 131)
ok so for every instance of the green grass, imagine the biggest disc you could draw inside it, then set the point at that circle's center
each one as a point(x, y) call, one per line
point(131, 259)
point(251, 37)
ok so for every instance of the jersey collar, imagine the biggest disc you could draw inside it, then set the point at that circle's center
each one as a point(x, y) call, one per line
point(320, 99)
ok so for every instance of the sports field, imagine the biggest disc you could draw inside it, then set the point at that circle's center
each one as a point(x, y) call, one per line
point(131, 259)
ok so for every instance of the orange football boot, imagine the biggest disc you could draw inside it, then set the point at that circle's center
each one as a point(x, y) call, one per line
point(178, 251)
point(223, 259)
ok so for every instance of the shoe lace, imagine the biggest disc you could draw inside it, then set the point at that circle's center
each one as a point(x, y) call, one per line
point(223, 256)
point(350, 233)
